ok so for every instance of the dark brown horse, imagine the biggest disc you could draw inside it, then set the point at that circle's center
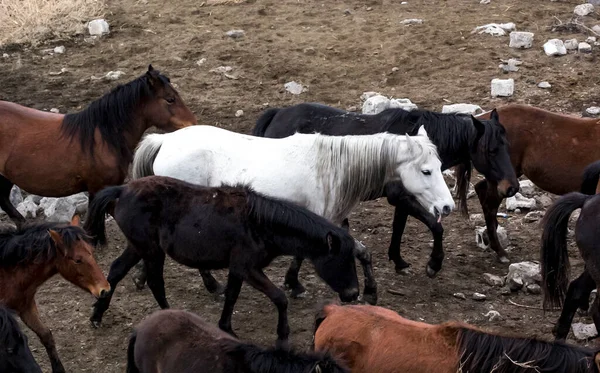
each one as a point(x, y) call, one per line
point(215, 228)
point(176, 341)
point(555, 258)
point(31, 255)
point(375, 339)
point(57, 155)
point(15, 355)
point(551, 149)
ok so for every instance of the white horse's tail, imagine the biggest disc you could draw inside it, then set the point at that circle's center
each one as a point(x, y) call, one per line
point(145, 154)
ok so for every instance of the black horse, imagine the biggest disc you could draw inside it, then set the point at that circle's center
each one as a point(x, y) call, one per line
point(15, 355)
point(216, 228)
point(460, 140)
point(176, 341)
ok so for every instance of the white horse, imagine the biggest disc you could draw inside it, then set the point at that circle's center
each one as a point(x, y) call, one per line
point(328, 175)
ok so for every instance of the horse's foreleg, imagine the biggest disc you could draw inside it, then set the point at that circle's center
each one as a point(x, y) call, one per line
point(364, 256)
point(578, 292)
point(31, 318)
point(232, 291)
point(258, 280)
point(211, 284)
point(5, 188)
point(156, 280)
point(400, 217)
point(437, 254)
point(118, 270)
point(291, 278)
point(490, 201)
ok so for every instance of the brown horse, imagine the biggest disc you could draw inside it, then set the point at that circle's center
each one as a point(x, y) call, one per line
point(551, 149)
point(32, 254)
point(175, 341)
point(375, 339)
point(57, 155)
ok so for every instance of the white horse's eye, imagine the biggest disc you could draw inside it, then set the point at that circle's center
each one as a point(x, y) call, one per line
point(426, 172)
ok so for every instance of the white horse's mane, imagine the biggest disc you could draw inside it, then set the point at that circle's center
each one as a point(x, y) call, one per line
point(361, 165)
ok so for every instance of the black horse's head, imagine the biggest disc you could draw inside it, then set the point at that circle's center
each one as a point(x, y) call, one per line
point(490, 154)
point(15, 355)
point(338, 269)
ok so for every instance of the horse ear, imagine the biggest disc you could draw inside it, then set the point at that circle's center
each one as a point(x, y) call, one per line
point(494, 116)
point(75, 220)
point(479, 126)
point(150, 68)
point(422, 131)
point(334, 243)
point(410, 142)
point(58, 241)
point(152, 76)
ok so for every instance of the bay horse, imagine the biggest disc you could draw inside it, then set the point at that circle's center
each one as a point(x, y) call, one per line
point(15, 355)
point(215, 228)
point(555, 258)
point(551, 149)
point(56, 155)
point(460, 140)
point(329, 175)
point(374, 339)
point(32, 254)
point(177, 341)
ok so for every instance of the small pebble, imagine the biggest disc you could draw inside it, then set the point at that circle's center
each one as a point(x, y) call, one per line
point(459, 296)
point(239, 113)
point(479, 297)
point(54, 110)
point(394, 69)
point(534, 289)
point(235, 34)
point(5, 55)
point(201, 61)
point(544, 85)
point(59, 49)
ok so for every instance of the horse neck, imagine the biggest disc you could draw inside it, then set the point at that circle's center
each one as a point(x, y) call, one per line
point(26, 279)
point(453, 139)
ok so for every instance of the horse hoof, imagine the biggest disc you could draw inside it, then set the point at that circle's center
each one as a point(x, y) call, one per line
point(139, 283)
point(96, 323)
point(504, 259)
point(298, 293)
point(370, 298)
point(405, 271)
point(430, 272)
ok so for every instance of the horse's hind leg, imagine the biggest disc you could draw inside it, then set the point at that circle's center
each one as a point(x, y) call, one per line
point(232, 291)
point(577, 293)
point(5, 188)
point(291, 278)
point(31, 318)
point(364, 256)
point(118, 270)
point(211, 284)
point(156, 280)
point(140, 276)
point(490, 201)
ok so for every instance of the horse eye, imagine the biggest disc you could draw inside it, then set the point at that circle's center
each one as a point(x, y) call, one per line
point(170, 100)
point(426, 172)
point(78, 261)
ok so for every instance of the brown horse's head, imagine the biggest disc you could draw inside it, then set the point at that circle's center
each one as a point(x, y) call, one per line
point(75, 262)
point(165, 108)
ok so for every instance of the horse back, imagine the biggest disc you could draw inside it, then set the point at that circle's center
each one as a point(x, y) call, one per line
point(369, 338)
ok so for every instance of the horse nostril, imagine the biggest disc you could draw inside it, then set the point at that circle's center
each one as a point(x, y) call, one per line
point(511, 191)
point(446, 210)
point(103, 293)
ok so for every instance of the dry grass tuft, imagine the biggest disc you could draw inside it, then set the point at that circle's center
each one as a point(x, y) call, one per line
point(33, 21)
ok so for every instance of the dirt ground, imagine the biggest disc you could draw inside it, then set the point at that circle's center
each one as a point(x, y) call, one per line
point(339, 49)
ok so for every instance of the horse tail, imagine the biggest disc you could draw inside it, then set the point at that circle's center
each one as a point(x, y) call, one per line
point(145, 154)
point(463, 179)
point(263, 122)
point(554, 254)
point(131, 367)
point(95, 222)
point(591, 175)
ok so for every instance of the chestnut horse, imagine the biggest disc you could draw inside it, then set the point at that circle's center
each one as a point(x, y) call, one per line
point(31, 255)
point(176, 341)
point(551, 149)
point(57, 155)
point(15, 355)
point(375, 339)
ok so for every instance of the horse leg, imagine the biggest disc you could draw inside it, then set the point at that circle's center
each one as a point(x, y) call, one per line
point(291, 278)
point(156, 281)
point(258, 280)
point(437, 254)
point(232, 291)
point(364, 256)
point(578, 292)
point(31, 318)
point(490, 201)
point(400, 217)
point(211, 284)
point(5, 188)
point(346, 225)
point(140, 276)
point(118, 270)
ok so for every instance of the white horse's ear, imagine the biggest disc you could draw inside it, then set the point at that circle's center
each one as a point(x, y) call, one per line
point(422, 131)
point(411, 143)
point(318, 369)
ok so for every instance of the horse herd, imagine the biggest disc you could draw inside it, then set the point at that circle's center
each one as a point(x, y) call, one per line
point(214, 199)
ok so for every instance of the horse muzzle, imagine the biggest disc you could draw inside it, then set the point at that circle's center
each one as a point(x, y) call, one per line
point(349, 295)
point(507, 189)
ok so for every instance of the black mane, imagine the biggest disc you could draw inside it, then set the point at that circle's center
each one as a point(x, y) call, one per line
point(286, 217)
point(273, 360)
point(32, 243)
point(483, 353)
point(112, 115)
point(9, 326)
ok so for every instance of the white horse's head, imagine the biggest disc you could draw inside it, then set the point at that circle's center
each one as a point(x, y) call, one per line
point(422, 175)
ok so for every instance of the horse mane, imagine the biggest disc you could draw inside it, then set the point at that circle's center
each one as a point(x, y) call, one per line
point(8, 325)
point(284, 216)
point(32, 243)
point(483, 353)
point(112, 115)
point(361, 164)
point(274, 360)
